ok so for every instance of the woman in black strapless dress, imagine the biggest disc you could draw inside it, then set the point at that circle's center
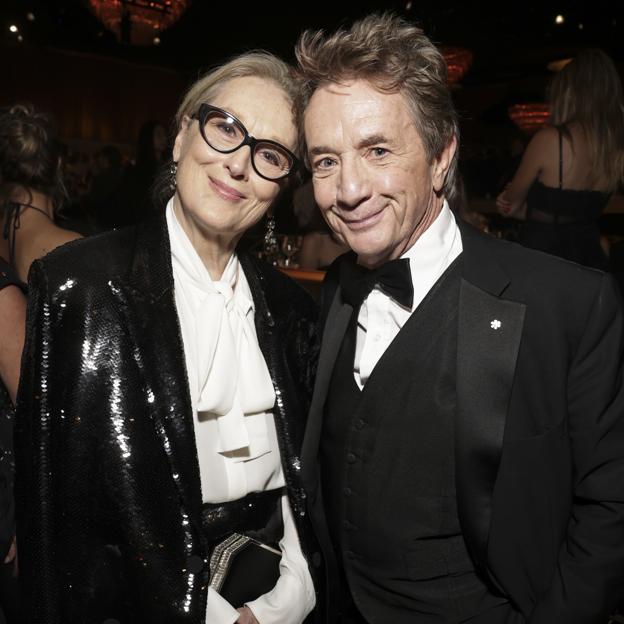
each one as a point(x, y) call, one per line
point(569, 170)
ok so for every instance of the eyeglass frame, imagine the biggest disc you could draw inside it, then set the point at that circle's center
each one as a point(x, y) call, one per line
point(248, 139)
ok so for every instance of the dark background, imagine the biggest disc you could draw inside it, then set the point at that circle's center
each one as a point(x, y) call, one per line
point(100, 90)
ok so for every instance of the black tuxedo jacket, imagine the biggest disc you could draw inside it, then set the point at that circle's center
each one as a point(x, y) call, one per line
point(108, 486)
point(539, 430)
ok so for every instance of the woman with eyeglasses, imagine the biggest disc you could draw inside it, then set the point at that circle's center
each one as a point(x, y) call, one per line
point(160, 419)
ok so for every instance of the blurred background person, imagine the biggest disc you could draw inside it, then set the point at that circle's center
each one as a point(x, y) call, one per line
point(569, 169)
point(319, 246)
point(12, 323)
point(134, 200)
point(105, 186)
point(31, 188)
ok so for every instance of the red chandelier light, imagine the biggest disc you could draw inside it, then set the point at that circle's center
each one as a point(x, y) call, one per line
point(138, 22)
point(530, 116)
point(458, 62)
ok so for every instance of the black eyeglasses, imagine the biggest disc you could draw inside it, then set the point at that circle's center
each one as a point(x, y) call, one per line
point(225, 134)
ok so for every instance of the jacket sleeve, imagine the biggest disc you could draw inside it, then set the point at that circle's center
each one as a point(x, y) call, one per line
point(589, 578)
point(34, 483)
point(55, 457)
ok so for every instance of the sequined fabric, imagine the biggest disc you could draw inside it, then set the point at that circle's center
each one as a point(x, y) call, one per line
point(108, 492)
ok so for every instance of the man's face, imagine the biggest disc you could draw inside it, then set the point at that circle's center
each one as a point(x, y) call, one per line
point(372, 180)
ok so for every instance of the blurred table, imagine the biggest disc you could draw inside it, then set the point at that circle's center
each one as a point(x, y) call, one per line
point(310, 280)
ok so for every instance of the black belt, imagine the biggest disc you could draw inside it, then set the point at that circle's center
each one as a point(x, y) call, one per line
point(257, 515)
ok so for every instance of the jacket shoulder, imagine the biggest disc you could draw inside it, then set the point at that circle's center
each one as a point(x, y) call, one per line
point(535, 270)
point(96, 258)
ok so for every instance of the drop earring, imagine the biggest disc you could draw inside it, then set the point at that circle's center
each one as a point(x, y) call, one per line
point(173, 171)
point(270, 240)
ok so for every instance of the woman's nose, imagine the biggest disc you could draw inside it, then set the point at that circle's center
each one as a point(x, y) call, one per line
point(238, 163)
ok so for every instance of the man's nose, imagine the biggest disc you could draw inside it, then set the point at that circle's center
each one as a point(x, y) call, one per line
point(354, 185)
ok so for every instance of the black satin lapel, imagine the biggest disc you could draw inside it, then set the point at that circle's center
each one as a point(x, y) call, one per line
point(335, 328)
point(159, 353)
point(489, 334)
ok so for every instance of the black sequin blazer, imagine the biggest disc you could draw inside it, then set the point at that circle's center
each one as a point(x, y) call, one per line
point(108, 488)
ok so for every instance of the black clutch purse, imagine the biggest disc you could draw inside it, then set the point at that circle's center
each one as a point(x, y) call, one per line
point(242, 569)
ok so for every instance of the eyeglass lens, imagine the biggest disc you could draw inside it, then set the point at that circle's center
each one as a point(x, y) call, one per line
point(225, 134)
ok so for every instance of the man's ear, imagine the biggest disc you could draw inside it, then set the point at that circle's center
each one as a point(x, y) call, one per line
point(442, 163)
point(179, 140)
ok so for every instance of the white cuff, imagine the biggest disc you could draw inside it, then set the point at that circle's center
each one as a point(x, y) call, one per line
point(219, 610)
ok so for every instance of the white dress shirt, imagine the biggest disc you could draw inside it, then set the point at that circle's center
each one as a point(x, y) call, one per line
point(233, 397)
point(381, 318)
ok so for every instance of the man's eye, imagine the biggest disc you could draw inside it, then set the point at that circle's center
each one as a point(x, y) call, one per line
point(379, 151)
point(324, 163)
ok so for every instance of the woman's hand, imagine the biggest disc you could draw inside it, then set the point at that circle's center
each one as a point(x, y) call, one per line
point(503, 205)
point(11, 556)
point(246, 616)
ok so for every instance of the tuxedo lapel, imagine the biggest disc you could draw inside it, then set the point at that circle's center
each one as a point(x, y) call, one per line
point(333, 334)
point(489, 335)
point(146, 300)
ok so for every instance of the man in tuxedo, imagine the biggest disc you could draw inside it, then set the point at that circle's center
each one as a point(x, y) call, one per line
point(464, 457)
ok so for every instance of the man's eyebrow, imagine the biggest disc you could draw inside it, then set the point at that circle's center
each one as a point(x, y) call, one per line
point(373, 139)
point(319, 149)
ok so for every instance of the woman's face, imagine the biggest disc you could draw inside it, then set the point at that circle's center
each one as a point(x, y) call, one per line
point(220, 195)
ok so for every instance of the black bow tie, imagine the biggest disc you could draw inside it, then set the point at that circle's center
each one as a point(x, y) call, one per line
point(394, 278)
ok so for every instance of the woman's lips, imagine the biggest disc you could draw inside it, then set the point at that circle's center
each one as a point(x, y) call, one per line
point(225, 191)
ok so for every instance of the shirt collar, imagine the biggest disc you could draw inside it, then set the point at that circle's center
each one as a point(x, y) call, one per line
point(435, 242)
point(433, 252)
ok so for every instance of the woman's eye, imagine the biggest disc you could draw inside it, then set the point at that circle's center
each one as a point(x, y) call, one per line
point(227, 129)
point(271, 157)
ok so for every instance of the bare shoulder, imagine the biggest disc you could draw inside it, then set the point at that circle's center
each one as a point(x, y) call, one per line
point(546, 138)
point(62, 236)
point(12, 302)
point(48, 239)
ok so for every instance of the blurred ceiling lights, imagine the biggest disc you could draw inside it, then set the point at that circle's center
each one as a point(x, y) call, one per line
point(458, 61)
point(530, 116)
point(138, 22)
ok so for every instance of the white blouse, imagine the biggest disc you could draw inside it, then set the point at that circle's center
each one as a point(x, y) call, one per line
point(233, 397)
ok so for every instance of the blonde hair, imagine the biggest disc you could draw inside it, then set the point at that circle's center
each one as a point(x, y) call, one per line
point(394, 56)
point(588, 91)
point(258, 64)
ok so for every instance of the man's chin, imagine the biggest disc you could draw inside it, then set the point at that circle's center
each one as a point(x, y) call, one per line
point(371, 258)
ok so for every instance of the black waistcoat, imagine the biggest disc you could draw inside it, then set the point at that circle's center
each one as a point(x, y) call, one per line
point(388, 473)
